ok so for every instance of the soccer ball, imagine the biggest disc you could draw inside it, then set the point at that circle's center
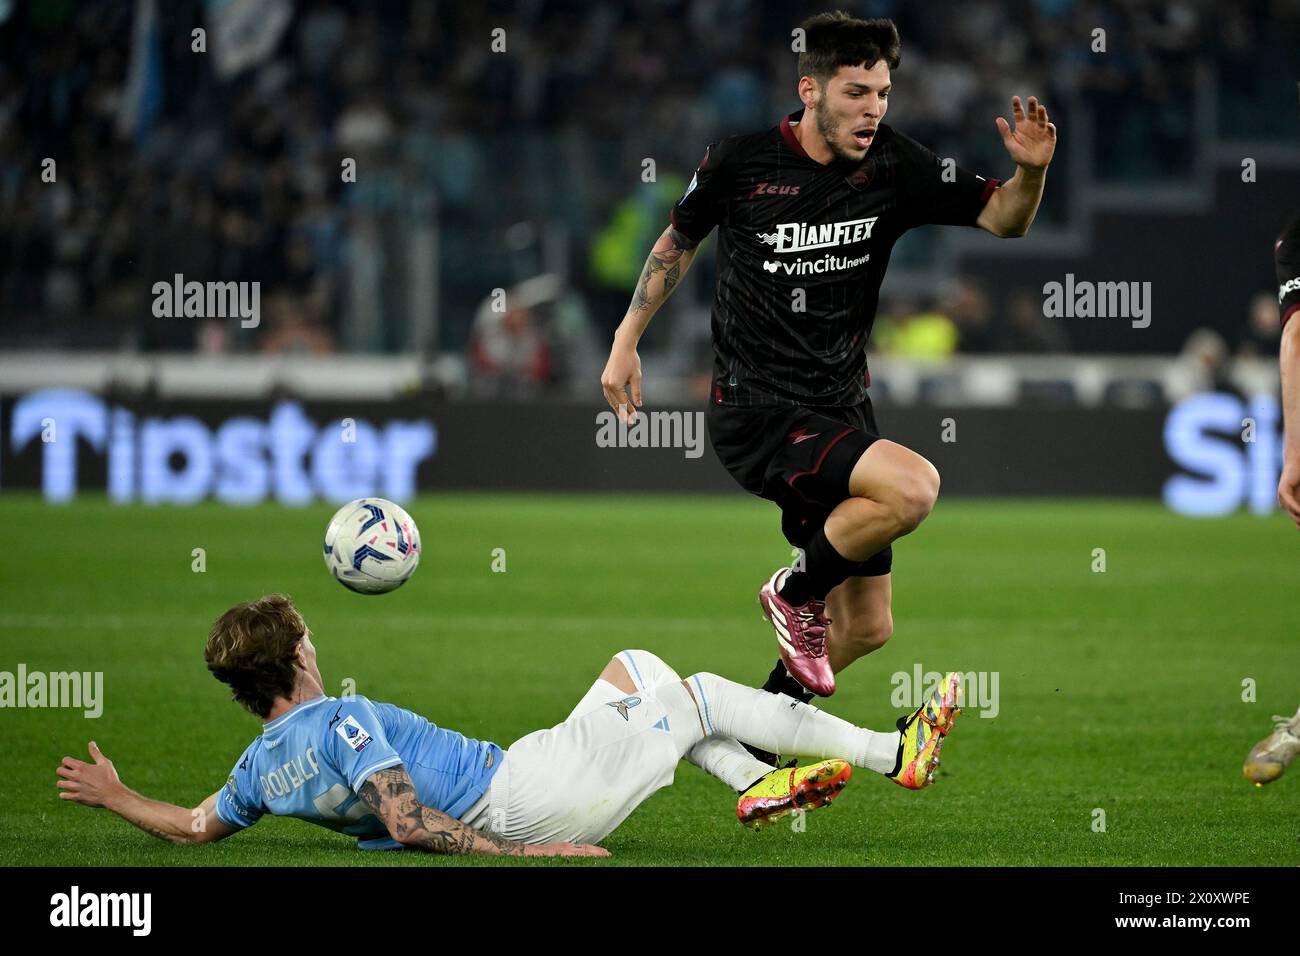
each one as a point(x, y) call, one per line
point(371, 546)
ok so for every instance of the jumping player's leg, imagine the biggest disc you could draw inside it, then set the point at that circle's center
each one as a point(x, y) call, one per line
point(861, 608)
point(845, 495)
point(891, 491)
point(635, 671)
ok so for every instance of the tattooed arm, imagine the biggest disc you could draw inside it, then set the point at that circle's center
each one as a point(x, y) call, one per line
point(390, 795)
point(98, 785)
point(671, 256)
point(668, 261)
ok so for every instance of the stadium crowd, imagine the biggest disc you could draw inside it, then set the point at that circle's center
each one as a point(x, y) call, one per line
point(482, 168)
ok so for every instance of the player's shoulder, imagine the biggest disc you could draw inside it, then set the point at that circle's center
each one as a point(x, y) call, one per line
point(354, 719)
point(1287, 246)
point(738, 147)
point(753, 142)
point(244, 763)
point(239, 802)
point(353, 702)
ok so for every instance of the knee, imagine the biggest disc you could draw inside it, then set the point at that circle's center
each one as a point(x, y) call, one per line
point(702, 686)
point(633, 656)
point(866, 632)
point(915, 496)
point(645, 668)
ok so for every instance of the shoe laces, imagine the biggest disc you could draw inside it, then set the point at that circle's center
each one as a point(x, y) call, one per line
point(818, 624)
point(1289, 724)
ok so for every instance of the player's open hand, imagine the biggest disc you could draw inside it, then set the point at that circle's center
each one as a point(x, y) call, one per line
point(90, 783)
point(1288, 489)
point(565, 849)
point(1033, 141)
point(622, 371)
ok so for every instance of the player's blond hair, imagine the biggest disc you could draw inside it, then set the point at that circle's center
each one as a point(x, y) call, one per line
point(253, 648)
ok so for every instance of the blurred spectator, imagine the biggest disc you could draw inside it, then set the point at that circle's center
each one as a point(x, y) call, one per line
point(1206, 355)
point(925, 335)
point(620, 248)
point(290, 328)
point(965, 302)
point(529, 339)
point(1263, 334)
point(1027, 329)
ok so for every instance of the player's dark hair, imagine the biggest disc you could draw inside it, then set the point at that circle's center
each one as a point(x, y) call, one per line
point(253, 648)
point(833, 40)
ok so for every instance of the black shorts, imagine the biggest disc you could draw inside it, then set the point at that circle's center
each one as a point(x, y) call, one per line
point(800, 458)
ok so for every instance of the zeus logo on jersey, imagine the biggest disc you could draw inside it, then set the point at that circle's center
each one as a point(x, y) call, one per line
point(353, 734)
point(800, 237)
point(772, 189)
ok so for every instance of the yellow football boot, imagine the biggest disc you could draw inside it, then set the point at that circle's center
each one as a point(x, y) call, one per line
point(923, 734)
point(1269, 758)
point(786, 789)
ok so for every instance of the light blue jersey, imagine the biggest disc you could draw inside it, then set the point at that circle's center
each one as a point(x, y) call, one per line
point(312, 761)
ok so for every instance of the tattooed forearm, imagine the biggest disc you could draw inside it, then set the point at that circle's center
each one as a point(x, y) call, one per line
point(391, 797)
point(671, 256)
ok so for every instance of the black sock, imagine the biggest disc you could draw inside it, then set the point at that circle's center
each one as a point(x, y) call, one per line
point(780, 682)
point(824, 568)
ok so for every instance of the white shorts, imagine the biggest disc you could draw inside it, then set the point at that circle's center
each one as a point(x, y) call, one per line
point(577, 781)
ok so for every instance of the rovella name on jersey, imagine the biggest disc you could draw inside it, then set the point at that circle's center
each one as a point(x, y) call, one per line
point(289, 776)
point(800, 237)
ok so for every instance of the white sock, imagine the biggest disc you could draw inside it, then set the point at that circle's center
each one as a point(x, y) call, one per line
point(721, 757)
point(784, 725)
point(726, 759)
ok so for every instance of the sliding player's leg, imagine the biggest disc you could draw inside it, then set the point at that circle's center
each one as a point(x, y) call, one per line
point(766, 795)
point(1269, 758)
point(577, 781)
point(778, 723)
point(632, 671)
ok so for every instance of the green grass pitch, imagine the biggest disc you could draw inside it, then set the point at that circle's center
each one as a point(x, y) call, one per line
point(1119, 691)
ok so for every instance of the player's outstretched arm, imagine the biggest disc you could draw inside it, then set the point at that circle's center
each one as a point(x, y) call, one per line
point(98, 785)
point(671, 256)
point(1031, 143)
point(1288, 488)
point(390, 795)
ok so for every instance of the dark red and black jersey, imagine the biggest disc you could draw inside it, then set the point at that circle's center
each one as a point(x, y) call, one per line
point(1286, 255)
point(802, 250)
